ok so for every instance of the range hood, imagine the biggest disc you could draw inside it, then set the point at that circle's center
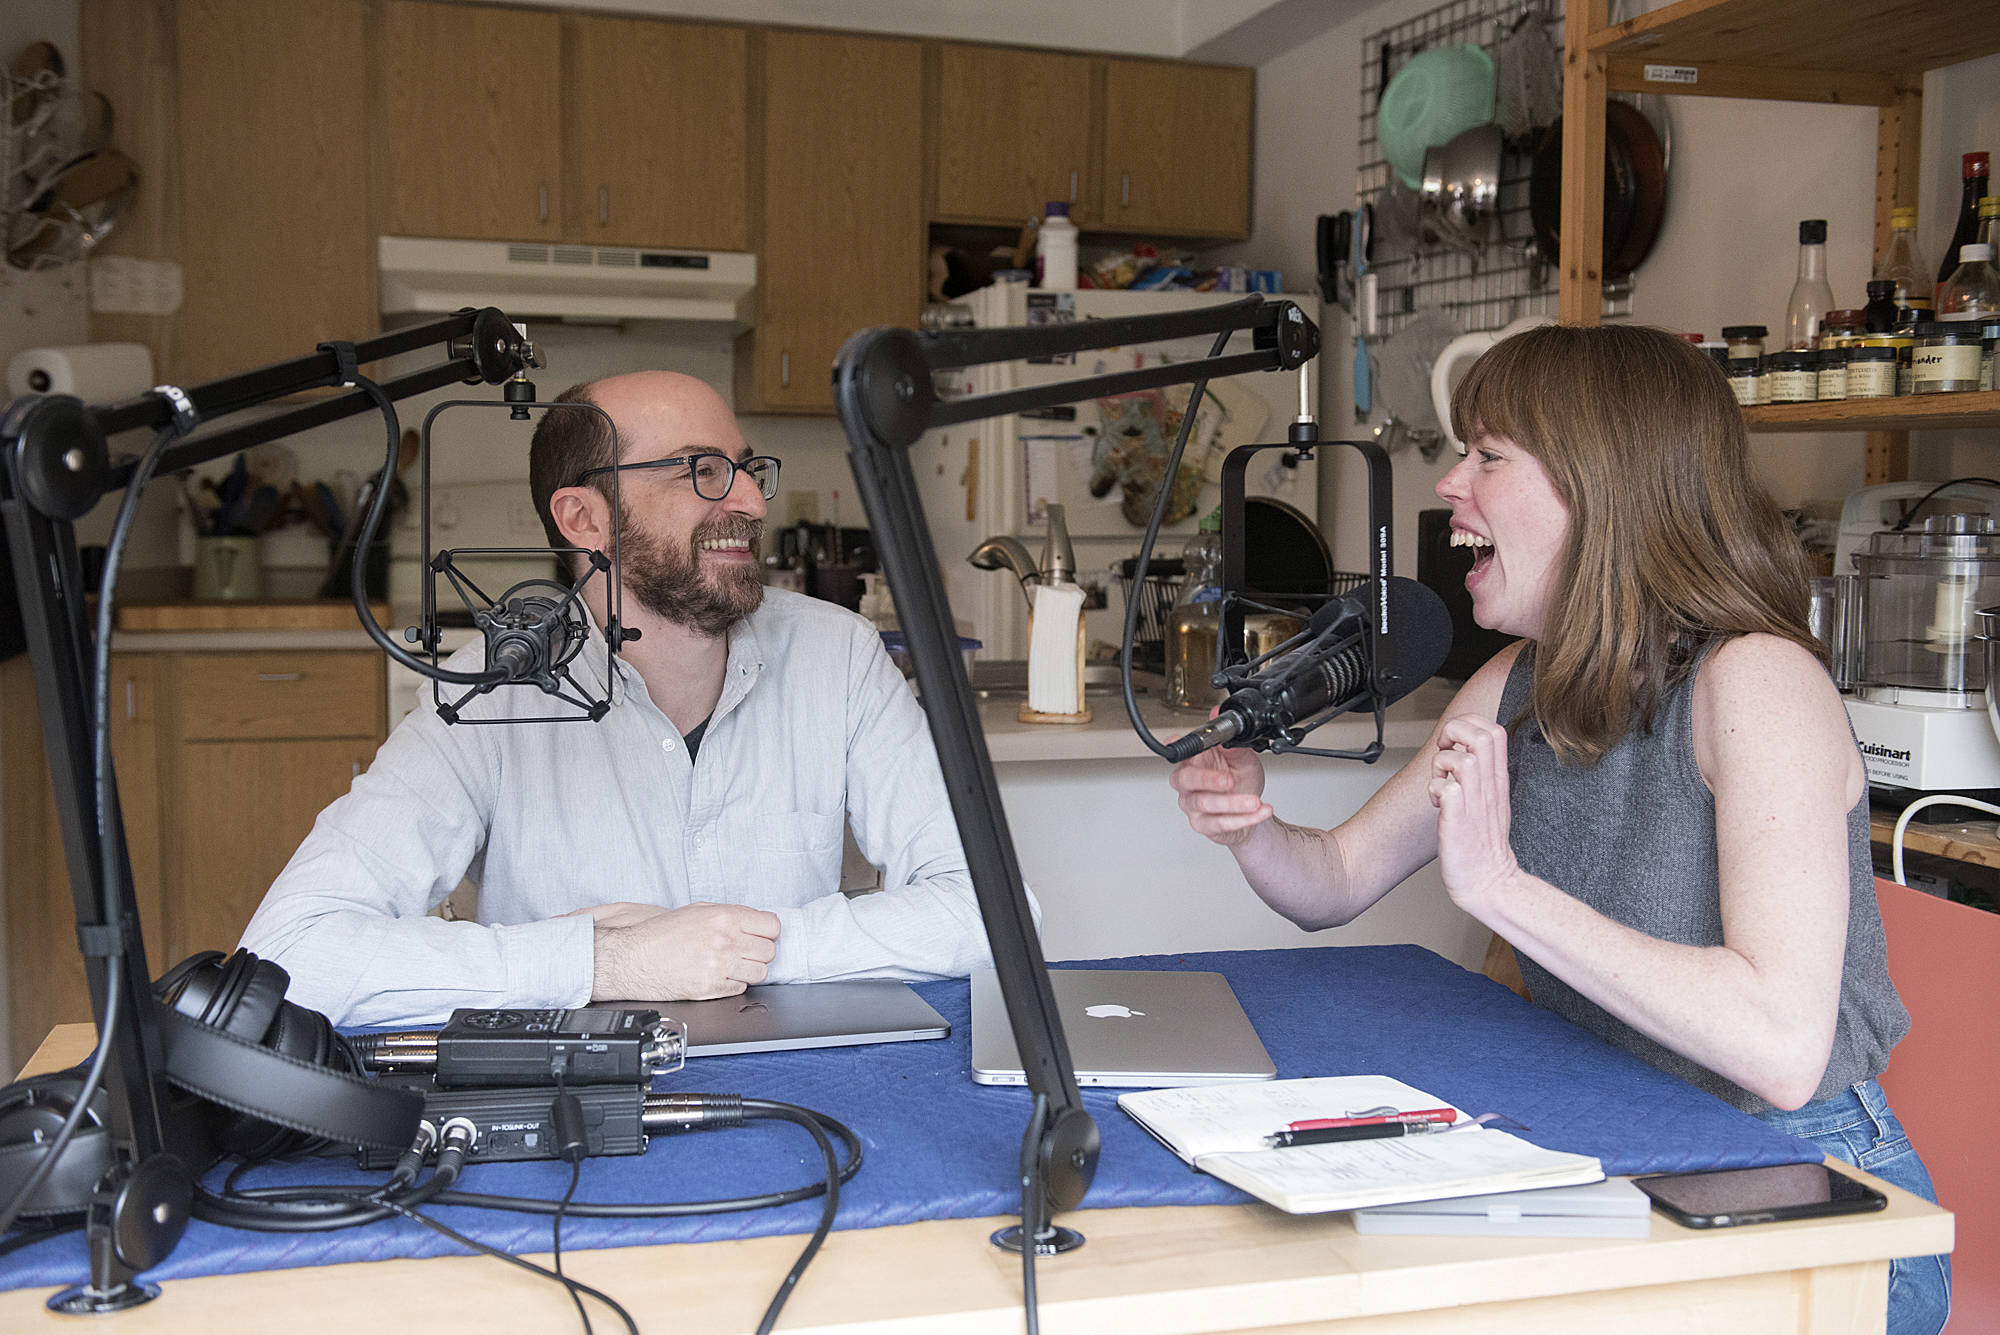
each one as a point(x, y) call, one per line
point(544, 281)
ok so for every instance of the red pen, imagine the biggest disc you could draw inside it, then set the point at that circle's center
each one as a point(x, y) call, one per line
point(1414, 1115)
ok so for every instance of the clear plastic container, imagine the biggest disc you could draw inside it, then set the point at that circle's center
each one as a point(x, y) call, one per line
point(1973, 290)
point(1902, 267)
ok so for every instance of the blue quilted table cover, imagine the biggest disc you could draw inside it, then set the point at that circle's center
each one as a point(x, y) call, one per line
point(939, 1146)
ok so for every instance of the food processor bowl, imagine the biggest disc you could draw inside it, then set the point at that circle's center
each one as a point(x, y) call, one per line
point(1920, 591)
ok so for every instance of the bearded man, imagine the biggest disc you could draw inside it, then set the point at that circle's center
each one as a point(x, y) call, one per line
point(689, 843)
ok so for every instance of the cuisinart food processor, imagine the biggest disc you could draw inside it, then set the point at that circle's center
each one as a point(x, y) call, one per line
point(1919, 707)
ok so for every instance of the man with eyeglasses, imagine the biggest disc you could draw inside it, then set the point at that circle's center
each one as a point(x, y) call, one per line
point(687, 844)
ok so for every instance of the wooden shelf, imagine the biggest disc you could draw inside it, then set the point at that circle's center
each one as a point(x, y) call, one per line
point(1909, 412)
point(1976, 842)
point(1776, 40)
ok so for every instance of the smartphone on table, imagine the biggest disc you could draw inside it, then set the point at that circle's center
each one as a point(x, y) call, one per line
point(1758, 1195)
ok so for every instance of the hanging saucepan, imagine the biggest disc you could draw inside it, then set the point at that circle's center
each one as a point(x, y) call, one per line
point(1635, 190)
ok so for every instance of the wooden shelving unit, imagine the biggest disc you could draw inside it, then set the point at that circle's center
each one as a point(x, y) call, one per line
point(1869, 53)
point(1976, 842)
point(1908, 413)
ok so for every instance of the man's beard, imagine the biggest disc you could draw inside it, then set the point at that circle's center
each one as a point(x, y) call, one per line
point(669, 582)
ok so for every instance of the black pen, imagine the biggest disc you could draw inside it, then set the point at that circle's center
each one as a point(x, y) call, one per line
point(1327, 1135)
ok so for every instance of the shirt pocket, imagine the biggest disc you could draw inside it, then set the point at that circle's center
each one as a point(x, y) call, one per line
point(779, 859)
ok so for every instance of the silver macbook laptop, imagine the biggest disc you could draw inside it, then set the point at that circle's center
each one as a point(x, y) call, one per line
point(775, 1017)
point(1130, 1029)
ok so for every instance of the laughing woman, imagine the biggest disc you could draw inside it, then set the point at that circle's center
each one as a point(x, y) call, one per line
point(1655, 796)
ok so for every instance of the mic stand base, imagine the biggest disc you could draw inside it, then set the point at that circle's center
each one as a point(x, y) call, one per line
point(83, 1300)
point(1053, 1240)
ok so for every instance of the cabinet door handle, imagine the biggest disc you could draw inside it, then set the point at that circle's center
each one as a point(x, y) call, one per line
point(281, 676)
point(603, 206)
point(357, 769)
point(544, 205)
point(1125, 190)
point(1072, 187)
point(785, 370)
point(131, 699)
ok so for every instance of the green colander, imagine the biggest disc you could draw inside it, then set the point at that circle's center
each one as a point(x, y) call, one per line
point(1439, 95)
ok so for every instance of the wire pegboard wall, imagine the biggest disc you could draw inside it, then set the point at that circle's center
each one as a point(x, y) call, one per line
point(1502, 280)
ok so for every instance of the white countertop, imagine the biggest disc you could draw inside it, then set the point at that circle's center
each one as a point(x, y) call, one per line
point(1109, 735)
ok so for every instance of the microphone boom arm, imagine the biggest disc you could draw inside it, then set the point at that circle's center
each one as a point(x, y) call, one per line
point(886, 400)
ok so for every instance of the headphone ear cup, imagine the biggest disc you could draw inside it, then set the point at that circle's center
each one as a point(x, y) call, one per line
point(31, 1111)
point(244, 997)
point(259, 991)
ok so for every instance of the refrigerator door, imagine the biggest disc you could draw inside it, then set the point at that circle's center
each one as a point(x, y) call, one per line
point(1100, 459)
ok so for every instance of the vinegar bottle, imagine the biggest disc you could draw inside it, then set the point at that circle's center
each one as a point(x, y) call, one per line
point(1811, 297)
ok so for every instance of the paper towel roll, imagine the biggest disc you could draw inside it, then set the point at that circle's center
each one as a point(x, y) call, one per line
point(1053, 647)
point(94, 372)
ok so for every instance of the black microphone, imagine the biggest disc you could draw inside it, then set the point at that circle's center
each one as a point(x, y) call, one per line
point(1332, 673)
point(530, 637)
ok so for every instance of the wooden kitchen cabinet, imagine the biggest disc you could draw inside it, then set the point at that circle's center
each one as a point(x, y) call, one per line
point(45, 978)
point(842, 204)
point(471, 132)
point(256, 744)
point(1013, 133)
point(254, 175)
point(1177, 148)
point(656, 133)
point(224, 760)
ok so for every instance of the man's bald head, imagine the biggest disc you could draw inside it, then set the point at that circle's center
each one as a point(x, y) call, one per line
point(657, 413)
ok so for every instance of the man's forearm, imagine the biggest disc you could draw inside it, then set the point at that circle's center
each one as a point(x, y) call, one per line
point(360, 968)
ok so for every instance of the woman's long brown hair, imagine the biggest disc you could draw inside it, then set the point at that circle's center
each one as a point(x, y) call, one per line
point(1671, 541)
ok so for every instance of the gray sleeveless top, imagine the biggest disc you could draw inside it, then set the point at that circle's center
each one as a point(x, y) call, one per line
point(1633, 836)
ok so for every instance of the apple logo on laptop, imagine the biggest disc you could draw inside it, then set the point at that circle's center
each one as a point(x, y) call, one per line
point(1112, 1011)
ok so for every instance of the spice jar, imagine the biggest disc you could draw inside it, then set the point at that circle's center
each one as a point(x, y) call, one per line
point(1989, 337)
point(1833, 372)
point(1944, 358)
point(1794, 376)
point(1717, 349)
point(1745, 340)
point(1871, 369)
point(1743, 379)
point(1837, 329)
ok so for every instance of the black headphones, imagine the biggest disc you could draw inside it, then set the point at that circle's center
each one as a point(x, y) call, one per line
point(279, 1077)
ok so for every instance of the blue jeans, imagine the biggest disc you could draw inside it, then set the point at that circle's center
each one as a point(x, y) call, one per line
point(1857, 1127)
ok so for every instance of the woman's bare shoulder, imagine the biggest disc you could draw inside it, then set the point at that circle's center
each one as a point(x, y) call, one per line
point(1481, 693)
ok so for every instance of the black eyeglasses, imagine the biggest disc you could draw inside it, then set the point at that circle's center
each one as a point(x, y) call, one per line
point(712, 474)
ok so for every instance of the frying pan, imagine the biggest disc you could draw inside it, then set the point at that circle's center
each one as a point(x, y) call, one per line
point(1635, 190)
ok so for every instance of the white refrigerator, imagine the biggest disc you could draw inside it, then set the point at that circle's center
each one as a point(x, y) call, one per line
point(1099, 459)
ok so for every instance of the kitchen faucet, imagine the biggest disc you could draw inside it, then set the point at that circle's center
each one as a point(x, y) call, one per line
point(1005, 552)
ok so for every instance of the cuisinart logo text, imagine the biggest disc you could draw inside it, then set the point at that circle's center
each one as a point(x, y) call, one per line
point(1883, 752)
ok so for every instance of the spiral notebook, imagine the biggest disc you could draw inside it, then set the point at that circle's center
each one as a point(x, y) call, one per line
point(1220, 1129)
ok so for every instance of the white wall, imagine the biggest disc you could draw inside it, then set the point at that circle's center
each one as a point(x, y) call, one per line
point(1744, 174)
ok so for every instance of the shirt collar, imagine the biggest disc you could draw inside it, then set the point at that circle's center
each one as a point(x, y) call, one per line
point(745, 665)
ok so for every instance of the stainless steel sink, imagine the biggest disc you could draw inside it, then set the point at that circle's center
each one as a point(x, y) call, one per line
point(1007, 679)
